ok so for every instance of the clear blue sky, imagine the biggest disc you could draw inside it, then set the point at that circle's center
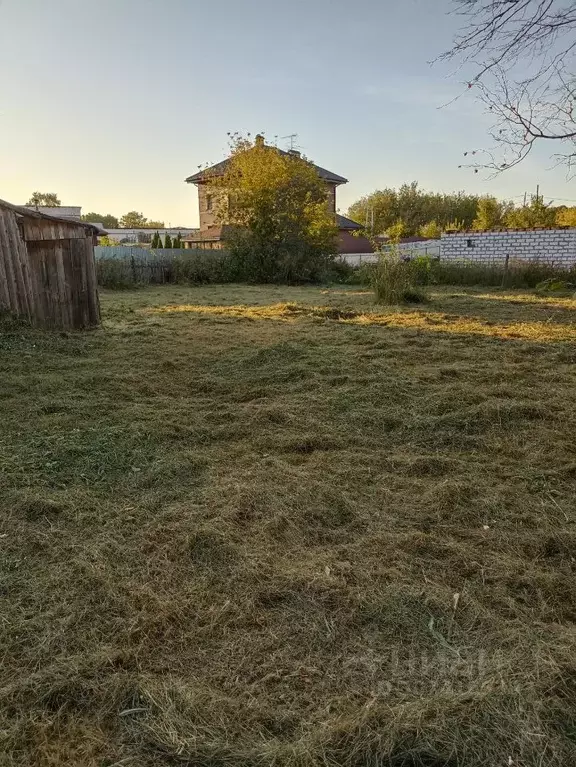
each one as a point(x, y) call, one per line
point(112, 104)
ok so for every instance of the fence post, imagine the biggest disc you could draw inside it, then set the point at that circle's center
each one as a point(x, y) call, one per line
point(133, 266)
point(505, 275)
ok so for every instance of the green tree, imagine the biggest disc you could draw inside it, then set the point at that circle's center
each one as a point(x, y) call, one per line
point(431, 230)
point(396, 231)
point(537, 214)
point(566, 216)
point(414, 206)
point(154, 224)
point(107, 220)
point(106, 241)
point(155, 241)
point(167, 241)
point(133, 220)
point(44, 199)
point(455, 226)
point(491, 214)
point(177, 242)
point(280, 227)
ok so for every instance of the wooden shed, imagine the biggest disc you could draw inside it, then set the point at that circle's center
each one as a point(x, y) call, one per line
point(47, 269)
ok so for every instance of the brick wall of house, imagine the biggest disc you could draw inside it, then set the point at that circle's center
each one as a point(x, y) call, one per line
point(207, 217)
point(552, 246)
point(331, 197)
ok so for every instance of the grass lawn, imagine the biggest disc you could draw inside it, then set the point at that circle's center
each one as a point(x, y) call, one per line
point(283, 527)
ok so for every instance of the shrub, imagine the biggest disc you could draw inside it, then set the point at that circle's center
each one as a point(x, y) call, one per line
point(393, 280)
point(422, 270)
point(520, 274)
point(342, 272)
point(201, 268)
point(114, 273)
point(555, 285)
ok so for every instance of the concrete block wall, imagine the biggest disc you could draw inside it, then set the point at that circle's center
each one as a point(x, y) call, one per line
point(552, 246)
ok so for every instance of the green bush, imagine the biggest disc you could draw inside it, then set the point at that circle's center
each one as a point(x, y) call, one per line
point(201, 268)
point(114, 273)
point(556, 285)
point(342, 272)
point(393, 280)
point(520, 274)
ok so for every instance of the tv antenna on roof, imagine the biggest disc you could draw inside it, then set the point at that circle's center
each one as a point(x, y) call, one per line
point(292, 137)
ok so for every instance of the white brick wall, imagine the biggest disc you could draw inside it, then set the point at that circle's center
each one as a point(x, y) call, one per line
point(551, 246)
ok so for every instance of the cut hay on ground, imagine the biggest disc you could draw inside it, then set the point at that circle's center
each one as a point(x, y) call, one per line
point(283, 527)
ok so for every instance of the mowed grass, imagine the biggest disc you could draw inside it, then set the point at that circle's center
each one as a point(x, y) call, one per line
point(282, 526)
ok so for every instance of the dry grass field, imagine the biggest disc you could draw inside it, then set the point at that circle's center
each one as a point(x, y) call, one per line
point(282, 527)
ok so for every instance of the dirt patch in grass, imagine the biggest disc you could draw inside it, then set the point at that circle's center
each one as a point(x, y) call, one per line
point(279, 527)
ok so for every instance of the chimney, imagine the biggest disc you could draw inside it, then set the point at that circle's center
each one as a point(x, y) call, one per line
point(259, 141)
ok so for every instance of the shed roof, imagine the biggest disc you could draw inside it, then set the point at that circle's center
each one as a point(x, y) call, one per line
point(346, 223)
point(213, 233)
point(220, 168)
point(27, 213)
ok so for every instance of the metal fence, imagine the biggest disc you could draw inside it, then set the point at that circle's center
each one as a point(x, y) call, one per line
point(410, 250)
point(124, 266)
point(123, 252)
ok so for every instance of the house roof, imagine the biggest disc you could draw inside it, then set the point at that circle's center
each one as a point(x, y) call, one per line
point(220, 168)
point(346, 223)
point(213, 233)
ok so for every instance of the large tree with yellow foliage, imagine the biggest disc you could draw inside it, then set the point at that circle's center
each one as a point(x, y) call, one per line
point(279, 227)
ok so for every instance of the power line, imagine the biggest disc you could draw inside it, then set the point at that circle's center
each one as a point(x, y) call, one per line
point(544, 197)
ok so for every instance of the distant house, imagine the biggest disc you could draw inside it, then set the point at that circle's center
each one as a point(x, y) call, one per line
point(350, 239)
point(212, 232)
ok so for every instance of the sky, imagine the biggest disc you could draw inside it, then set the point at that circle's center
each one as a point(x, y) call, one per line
point(113, 104)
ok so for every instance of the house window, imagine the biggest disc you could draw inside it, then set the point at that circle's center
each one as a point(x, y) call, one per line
point(208, 202)
point(470, 244)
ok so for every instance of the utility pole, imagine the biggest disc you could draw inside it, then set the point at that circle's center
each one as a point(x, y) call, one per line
point(537, 192)
point(524, 200)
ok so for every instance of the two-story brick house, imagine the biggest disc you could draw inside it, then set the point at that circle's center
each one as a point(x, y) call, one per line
point(212, 232)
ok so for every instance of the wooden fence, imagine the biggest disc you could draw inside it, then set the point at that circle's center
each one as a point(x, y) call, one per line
point(47, 270)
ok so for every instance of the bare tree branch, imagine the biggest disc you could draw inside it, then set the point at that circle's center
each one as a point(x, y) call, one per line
point(522, 54)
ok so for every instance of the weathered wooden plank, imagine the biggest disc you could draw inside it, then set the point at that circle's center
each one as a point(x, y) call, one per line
point(77, 249)
point(25, 267)
point(92, 283)
point(63, 253)
point(19, 254)
point(38, 272)
point(60, 298)
point(18, 305)
point(6, 300)
point(81, 285)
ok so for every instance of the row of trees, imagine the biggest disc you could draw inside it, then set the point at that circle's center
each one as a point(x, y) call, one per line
point(414, 207)
point(131, 220)
point(168, 241)
point(411, 211)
